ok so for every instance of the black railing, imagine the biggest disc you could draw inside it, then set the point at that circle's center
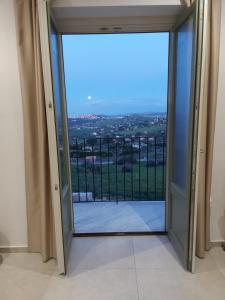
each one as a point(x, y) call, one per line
point(118, 169)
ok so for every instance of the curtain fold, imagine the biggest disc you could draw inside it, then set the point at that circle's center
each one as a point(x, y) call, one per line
point(37, 167)
point(208, 124)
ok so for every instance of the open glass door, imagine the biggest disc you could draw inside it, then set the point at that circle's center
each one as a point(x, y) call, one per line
point(56, 113)
point(62, 139)
point(183, 119)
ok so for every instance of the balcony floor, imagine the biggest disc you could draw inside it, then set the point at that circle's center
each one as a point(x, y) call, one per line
point(127, 216)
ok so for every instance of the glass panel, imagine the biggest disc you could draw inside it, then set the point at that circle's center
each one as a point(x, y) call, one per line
point(183, 88)
point(58, 110)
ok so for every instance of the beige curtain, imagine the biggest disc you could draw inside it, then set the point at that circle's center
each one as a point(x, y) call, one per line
point(208, 124)
point(37, 169)
point(187, 2)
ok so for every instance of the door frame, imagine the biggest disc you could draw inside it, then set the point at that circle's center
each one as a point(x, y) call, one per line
point(52, 129)
point(133, 31)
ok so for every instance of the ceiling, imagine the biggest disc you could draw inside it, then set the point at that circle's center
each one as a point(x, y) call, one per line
point(84, 16)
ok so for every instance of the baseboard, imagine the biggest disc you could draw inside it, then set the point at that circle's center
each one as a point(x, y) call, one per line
point(20, 249)
point(216, 244)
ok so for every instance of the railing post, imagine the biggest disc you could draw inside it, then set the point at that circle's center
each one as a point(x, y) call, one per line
point(78, 176)
point(93, 171)
point(124, 171)
point(116, 174)
point(139, 168)
point(100, 150)
point(85, 170)
point(155, 168)
point(147, 165)
point(132, 170)
point(163, 169)
point(108, 172)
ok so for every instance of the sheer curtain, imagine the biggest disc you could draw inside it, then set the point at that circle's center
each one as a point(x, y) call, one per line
point(37, 167)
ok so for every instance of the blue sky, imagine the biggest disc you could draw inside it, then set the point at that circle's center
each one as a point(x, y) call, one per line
point(116, 73)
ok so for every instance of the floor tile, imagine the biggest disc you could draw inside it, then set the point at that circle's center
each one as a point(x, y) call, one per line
point(94, 285)
point(223, 272)
point(218, 255)
point(103, 268)
point(211, 285)
point(29, 261)
point(205, 265)
point(155, 252)
point(178, 284)
point(101, 252)
point(21, 284)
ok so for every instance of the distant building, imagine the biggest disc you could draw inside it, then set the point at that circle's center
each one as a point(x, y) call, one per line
point(91, 158)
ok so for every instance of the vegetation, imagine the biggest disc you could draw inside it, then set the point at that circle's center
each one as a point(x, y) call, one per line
point(118, 157)
point(128, 185)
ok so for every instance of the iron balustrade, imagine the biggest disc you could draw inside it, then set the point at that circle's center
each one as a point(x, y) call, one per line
point(118, 168)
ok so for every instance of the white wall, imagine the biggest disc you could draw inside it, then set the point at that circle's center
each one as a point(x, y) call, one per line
point(13, 227)
point(218, 183)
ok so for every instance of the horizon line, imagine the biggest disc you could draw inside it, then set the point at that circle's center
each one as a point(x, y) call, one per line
point(121, 114)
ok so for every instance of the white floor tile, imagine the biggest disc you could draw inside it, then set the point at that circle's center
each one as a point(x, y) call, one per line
point(205, 265)
point(223, 272)
point(111, 268)
point(101, 252)
point(21, 284)
point(218, 255)
point(94, 285)
point(177, 285)
point(155, 252)
point(211, 285)
point(29, 261)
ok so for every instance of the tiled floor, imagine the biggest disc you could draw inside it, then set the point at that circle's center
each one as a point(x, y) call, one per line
point(129, 216)
point(109, 268)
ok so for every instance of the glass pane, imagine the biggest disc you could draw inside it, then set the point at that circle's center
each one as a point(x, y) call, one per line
point(184, 57)
point(58, 110)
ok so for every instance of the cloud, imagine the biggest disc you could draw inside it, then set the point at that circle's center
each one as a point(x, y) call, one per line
point(145, 101)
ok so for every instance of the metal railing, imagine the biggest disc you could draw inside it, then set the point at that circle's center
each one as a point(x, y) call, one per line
point(118, 169)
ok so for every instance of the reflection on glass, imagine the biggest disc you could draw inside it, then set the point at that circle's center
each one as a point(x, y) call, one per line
point(58, 109)
point(182, 101)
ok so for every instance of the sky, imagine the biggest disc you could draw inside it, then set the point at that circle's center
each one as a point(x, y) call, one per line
point(111, 74)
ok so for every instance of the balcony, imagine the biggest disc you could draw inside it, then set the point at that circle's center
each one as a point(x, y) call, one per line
point(118, 184)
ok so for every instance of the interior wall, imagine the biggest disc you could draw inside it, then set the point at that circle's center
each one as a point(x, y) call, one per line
point(218, 179)
point(13, 225)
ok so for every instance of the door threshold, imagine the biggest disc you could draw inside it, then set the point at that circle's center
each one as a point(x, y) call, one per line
point(142, 233)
